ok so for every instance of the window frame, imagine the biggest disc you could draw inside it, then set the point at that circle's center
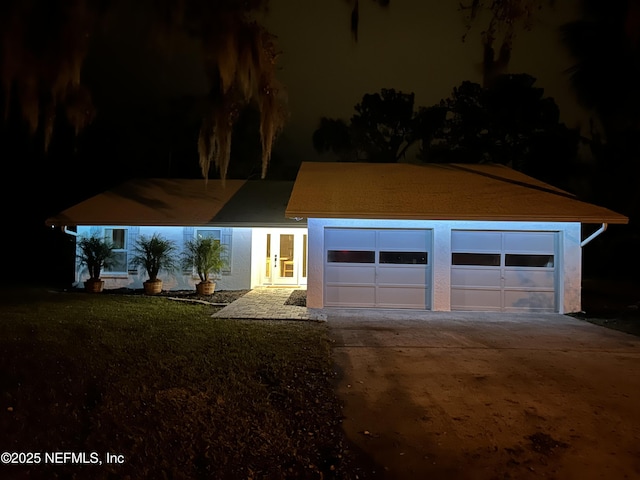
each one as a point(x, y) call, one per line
point(220, 234)
point(124, 250)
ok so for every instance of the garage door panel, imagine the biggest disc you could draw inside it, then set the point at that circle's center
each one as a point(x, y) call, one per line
point(377, 267)
point(402, 276)
point(417, 240)
point(475, 299)
point(529, 301)
point(529, 242)
point(464, 241)
point(529, 279)
point(350, 239)
point(402, 297)
point(508, 270)
point(350, 296)
point(350, 274)
point(475, 277)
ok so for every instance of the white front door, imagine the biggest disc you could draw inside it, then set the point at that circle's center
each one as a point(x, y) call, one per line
point(286, 257)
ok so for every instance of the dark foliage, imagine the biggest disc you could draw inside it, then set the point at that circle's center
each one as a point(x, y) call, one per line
point(605, 44)
point(382, 129)
point(511, 123)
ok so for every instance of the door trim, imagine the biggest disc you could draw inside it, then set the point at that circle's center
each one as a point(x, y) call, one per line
point(299, 265)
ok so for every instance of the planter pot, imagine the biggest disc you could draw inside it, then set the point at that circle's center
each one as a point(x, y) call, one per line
point(93, 285)
point(205, 288)
point(152, 287)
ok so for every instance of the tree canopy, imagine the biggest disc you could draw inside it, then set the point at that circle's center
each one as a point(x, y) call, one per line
point(380, 131)
point(510, 122)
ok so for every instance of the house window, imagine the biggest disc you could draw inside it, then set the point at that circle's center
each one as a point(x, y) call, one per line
point(215, 234)
point(118, 238)
point(222, 235)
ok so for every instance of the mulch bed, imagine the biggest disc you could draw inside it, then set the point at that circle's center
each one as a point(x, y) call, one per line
point(219, 297)
point(297, 298)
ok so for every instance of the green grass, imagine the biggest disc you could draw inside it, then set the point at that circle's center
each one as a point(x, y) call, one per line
point(179, 394)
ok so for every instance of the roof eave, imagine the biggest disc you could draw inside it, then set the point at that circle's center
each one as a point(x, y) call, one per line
point(619, 220)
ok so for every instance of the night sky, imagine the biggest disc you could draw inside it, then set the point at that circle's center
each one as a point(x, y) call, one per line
point(412, 46)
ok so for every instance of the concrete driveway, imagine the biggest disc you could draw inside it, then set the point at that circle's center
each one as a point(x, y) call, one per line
point(482, 396)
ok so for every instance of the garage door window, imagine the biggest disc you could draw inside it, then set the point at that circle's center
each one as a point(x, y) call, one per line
point(404, 258)
point(540, 261)
point(350, 256)
point(476, 259)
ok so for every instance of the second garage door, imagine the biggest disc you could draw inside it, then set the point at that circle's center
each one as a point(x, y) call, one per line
point(503, 271)
point(388, 268)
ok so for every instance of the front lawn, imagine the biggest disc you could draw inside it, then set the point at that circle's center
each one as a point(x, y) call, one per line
point(176, 393)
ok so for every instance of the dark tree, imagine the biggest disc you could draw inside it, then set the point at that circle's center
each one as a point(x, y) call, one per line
point(382, 129)
point(510, 123)
point(333, 136)
point(605, 43)
point(45, 44)
point(500, 20)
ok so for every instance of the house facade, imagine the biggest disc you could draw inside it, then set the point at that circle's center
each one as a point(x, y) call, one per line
point(258, 256)
point(426, 237)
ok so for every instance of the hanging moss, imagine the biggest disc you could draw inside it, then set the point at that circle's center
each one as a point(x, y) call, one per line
point(44, 44)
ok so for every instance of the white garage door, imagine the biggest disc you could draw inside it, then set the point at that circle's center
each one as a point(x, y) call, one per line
point(503, 271)
point(377, 268)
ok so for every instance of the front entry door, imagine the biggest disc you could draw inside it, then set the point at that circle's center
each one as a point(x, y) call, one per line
point(285, 257)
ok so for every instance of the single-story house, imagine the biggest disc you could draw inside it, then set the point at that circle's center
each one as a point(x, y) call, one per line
point(433, 236)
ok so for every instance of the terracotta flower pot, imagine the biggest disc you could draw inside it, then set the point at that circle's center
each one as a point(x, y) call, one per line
point(205, 288)
point(152, 287)
point(94, 285)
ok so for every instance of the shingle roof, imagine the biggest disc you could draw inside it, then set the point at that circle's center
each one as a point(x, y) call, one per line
point(184, 202)
point(434, 192)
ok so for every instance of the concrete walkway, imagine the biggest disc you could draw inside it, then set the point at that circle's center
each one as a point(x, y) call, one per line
point(265, 303)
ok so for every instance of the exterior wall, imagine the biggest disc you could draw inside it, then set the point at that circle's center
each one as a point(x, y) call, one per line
point(569, 253)
point(239, 279)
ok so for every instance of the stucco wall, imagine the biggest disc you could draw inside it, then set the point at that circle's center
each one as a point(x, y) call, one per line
point(239, 279)
point(569, 251)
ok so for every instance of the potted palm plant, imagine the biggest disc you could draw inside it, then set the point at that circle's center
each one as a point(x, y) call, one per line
point(96, 253)
point(154, 254)
point(205, 256)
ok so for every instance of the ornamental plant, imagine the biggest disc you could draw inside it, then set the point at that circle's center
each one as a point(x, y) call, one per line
point(154, 254)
